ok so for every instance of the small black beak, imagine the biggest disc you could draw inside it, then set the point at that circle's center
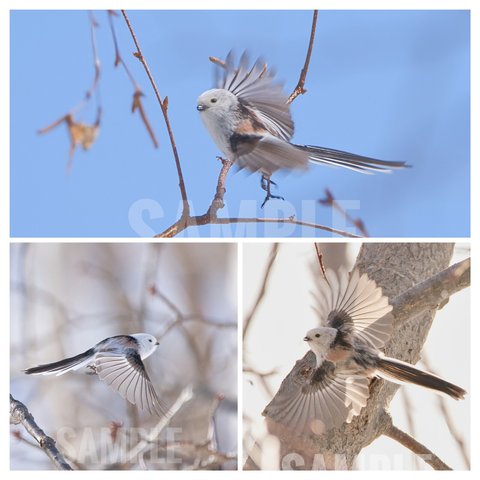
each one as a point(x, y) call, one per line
point(307, 339)
point(200, 107)
point(157, 343)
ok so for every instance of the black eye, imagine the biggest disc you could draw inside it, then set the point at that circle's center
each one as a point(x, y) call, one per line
point(150, 340)
point(317, 335)
point(213, 100)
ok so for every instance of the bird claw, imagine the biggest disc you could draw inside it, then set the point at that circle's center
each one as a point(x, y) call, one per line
point(266, 183)
point(269, 196)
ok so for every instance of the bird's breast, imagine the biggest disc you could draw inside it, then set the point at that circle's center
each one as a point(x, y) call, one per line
point(337, 354)
point(219, 132)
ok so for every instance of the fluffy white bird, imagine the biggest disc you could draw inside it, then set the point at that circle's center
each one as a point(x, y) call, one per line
point(356, 323)
point(118, 362)
point(249, 119)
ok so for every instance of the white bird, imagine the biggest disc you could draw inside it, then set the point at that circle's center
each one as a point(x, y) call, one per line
point(118, 362)
point(356, 323)
point(249, 119)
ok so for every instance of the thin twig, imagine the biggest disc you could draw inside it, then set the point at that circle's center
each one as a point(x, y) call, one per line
point(82, 133)
point(149, 441)
point(164, 108)
point(138, 94)
point(262, 377)
point(408, 413)
point(263, 288)
point(457, 436)
point(179, 226)
point(330, 201)
point(320, 260)
point(416, 447)
point(299, 89)
point(19, 414)
point(96, 59)
point(186, 317)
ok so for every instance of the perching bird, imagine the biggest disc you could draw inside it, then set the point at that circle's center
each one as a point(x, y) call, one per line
point(118, 362)
point(357, 323)
point(249, 119)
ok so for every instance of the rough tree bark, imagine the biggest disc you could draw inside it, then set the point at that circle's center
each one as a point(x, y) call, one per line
point(396, 268)
point(19, 414)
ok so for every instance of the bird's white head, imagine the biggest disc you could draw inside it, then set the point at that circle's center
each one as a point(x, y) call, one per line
point(147, 344)
point(319, 340)
point(217, 101)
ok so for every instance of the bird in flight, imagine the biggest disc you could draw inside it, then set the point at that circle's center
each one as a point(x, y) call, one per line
point(249, 119)
point(118, 361)
point(356, 323)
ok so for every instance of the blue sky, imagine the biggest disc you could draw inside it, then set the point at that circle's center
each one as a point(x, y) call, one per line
point(388, 84)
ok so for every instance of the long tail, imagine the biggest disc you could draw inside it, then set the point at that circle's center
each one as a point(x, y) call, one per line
point(398, 371)
point(62, 366)
point(358, 163)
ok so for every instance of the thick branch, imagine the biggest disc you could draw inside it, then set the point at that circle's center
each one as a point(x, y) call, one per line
point(19, 414)
point(431, 293)
point(416, 447)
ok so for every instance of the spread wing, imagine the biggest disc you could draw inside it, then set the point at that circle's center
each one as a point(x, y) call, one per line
point(125, 373)
point(319, 399)
point(353, 302)
point(255, 88)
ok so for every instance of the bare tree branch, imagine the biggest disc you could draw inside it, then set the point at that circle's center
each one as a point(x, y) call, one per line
point(19, 414)
point(407, 404)
point(138, 94)
point(416, 447)
point(299, 89)
point(431, 293)
point(320, 260)
point(164, 107)
point(442, 403)
point(82, 133)
point(330, 201)
point(263, 288)
point(206, 220)
point(149, 441)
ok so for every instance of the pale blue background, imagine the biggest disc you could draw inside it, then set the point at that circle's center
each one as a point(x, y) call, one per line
point(389, 84)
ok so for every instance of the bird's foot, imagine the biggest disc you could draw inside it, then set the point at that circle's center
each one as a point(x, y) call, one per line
point(266, 184)
point(269, 196)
